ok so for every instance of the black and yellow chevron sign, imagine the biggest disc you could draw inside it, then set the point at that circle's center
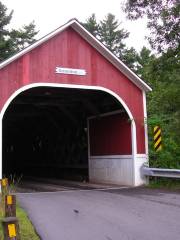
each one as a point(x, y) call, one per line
point(157, 138)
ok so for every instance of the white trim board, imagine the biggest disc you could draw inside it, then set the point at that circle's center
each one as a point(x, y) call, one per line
point(111, 157)
point(145, 122)
point(94, 43)
point(140, 155)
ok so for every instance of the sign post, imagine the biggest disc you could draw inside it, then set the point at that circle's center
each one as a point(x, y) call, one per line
point(11, 228)
point(10, 206)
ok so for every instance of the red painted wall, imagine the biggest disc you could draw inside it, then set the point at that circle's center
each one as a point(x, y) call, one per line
point(110, 135)
point(69, 49)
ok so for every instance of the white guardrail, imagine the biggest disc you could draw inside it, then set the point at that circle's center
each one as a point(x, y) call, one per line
point(160, 172)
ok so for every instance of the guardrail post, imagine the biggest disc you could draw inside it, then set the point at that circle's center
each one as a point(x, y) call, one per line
point(4, 186)
point(11, 228)
point(10, 206)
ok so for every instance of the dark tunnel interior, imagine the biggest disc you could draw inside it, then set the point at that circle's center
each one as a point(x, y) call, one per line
point(45, 131)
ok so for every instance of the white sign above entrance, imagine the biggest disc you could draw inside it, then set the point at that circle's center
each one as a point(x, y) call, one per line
point(72, 71)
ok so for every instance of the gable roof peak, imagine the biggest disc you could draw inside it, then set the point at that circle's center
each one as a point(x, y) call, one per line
point(75, 24)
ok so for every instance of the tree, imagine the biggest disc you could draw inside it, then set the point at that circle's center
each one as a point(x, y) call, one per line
point(13, 40)
point(145, 63)
point(163, 106)
point(21, 38)
point(112, 36)
point(129, 57)
point(162, 72)
point(5, 19)
point(92, 26)
point(163, 20)
point(108, 31)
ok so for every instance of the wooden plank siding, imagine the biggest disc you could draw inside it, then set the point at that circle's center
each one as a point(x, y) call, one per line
point(69, 49)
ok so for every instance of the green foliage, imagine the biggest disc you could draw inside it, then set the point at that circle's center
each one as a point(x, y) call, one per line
point(12, 41)
point(112, 36)
point(5, 19)
point(145, 61)
point(92, 26)
point(27, 230)
point(108, 31)
point(129, 57)
point(14, 181)
point(163, 21)
point(23, 37)
point(169, 156)
point(172, 184)
point(162, 72)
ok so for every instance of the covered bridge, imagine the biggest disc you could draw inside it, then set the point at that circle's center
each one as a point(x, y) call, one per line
point(71, 109)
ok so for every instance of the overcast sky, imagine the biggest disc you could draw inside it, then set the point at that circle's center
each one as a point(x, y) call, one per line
point(49, 15)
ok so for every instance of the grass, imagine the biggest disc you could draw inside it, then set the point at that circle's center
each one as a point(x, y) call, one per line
point(27, 230)
point(164, 183)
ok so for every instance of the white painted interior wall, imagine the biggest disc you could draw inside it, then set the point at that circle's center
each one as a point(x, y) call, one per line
point(117, 169)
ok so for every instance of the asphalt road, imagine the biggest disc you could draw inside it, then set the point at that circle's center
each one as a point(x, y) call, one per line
point(125, 214)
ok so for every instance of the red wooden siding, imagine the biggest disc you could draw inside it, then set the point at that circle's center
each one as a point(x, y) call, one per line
point(110, 135)
point(69, 49)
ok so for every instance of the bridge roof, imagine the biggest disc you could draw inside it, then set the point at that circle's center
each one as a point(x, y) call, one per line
point(93, 42)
